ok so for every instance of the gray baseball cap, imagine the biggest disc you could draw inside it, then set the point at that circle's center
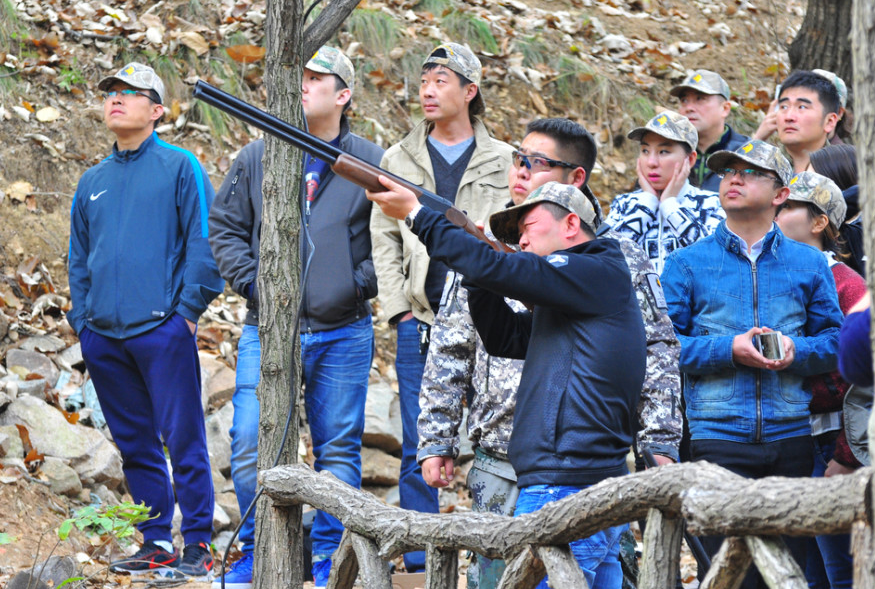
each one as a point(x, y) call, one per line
point(759, 153)
point(136, 75)
point(670, 125)
point(505, 224)
point(461, 60)
point(704, 81)
point(823, 192)
point(330, 60)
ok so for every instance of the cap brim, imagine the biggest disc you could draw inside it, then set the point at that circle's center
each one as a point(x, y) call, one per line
point(505, 224)
point(676, 91)
point(721, 159)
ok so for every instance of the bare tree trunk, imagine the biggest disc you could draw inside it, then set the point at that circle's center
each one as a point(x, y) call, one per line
point(278, 535)
point(824, 40)
point(863, 35)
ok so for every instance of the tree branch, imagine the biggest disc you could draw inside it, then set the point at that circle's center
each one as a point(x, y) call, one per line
point(326, 24)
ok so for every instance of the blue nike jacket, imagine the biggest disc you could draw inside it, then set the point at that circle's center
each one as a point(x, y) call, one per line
point(138, 241)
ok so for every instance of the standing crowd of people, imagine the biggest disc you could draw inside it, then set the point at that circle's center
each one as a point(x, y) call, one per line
point(698, 320)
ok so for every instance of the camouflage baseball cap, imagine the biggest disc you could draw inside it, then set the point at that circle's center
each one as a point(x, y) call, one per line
point(136, 75)
point(505, 224)
point(758, 153)
point(330, 60)
point(704, 81)
point(836, 81)
point(823, 192)
point(670, 125)
point(461, 60)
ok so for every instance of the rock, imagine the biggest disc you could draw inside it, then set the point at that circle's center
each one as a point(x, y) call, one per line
point(217, 381)
point(379, 468)
point(10, 442)
point(71, 358)
point(24, 580)
point(34, 388)
point(218, 426)
point(382, 418)
point(4, 325)
point(228, 501)
point(106, 496)
point(393, 496)
point(33, 362)
point(56, 570)
point(42, 343)
point(93, 458)
point(63, 479)
point(221, 542)
point(221, 521)
point(218, 479)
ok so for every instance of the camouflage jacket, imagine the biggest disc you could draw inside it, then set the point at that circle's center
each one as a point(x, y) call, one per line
point(457, 366)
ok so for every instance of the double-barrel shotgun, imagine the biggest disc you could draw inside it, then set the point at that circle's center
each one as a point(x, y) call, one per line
point(343, 164)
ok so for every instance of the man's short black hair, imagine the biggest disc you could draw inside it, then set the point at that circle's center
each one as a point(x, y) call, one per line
point(826, 90)
point(339, 85)
point(476, 107)
point(573, 142)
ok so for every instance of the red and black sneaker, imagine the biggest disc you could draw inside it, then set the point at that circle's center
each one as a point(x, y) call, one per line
point(151, 558)
point(196, 562)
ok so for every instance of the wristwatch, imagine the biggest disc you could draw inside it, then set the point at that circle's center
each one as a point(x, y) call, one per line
point(411, 216)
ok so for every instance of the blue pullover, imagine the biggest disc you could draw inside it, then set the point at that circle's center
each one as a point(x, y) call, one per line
point(138, 241)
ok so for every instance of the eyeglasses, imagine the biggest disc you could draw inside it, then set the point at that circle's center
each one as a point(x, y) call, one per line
point(746, 174)
point(538, 163)
point(126, 92)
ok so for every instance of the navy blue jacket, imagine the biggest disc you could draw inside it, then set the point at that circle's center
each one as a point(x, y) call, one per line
point(584, 347)
point(138, 241)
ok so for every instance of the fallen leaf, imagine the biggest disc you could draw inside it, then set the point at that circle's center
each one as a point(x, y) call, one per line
point(17, 191)
point(245, 53)
point(195, 42)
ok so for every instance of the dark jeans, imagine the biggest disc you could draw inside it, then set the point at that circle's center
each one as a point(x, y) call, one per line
point(791, 457)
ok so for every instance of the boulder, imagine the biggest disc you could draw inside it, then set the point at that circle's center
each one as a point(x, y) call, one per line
point(71, 358)
point(221, 521)
point(382, 418)
point(217, 381)
point(218, 426)
point(43, 343)
point(228, 501)
point(63, 479)
point(379, 468)
point(56, 570)
point(89, 453)
point(10, 442)
point(34, 362)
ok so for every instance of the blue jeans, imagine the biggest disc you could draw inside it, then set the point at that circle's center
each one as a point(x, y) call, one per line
point(597, 555)
point(415, 494)
point(336, 365)
point(829, 563)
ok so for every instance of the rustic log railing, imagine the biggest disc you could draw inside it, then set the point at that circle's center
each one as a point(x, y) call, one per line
point(710, 500)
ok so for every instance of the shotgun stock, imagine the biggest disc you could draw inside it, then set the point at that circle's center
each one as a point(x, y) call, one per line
point(346, 166)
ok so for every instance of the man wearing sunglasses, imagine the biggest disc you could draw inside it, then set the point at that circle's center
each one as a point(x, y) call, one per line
point(458, 365)
point(748, 412)
point(141, 273)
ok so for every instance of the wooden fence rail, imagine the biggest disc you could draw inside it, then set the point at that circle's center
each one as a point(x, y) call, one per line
point(712, 500)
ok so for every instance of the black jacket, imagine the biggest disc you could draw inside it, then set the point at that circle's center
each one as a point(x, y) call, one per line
point(701, 175)
point(584, 347)
point(341, 277)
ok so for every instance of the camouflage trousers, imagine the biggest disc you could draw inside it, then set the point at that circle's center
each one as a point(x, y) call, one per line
point(492, 483)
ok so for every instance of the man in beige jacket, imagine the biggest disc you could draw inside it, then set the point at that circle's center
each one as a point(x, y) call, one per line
point(452, 154)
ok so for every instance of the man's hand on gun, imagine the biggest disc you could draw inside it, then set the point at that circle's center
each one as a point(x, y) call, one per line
point(396, 201)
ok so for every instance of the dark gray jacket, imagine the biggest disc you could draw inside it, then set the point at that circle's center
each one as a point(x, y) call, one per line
point(341, 278)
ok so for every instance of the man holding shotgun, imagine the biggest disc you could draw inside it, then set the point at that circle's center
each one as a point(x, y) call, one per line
point(450, 153)
point(337, 336)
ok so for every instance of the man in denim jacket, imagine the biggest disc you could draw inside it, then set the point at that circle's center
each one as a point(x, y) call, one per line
point(749, 413)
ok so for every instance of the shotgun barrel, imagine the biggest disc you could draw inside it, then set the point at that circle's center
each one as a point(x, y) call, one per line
point(347, 166)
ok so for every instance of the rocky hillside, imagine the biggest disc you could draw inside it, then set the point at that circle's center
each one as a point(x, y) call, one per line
point(606, 63)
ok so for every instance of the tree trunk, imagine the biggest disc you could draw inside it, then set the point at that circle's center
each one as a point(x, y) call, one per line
point(863, 36)
point(824, 40)
point(278, 562)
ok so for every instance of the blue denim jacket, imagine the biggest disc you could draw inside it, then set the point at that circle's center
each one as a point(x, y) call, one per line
point(714, 292)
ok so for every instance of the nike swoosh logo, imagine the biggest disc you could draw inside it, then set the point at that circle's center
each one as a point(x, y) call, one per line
point(96, 196)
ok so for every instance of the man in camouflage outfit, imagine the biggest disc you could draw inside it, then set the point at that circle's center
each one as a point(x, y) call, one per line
point(458, 367)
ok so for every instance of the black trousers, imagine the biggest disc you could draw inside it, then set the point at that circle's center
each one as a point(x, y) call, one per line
point(791, 457)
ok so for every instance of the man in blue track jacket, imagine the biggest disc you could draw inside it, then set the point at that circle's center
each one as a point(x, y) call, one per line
point(141, 273)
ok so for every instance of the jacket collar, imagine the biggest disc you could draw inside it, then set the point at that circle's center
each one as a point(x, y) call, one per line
point(128, 155)
point(414, 144)
point(731, 242)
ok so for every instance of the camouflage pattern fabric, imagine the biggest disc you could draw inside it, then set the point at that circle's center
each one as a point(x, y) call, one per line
point(704, 81)
point(330, 60)
point(457, 364)
point(759, 153)
point(671, 125)
point(136, 75)
point(823, 192)
point(457, 58)
point(505, 224)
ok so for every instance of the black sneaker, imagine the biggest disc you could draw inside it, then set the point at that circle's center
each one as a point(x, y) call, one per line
point(150, 558)
point(196, 562)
